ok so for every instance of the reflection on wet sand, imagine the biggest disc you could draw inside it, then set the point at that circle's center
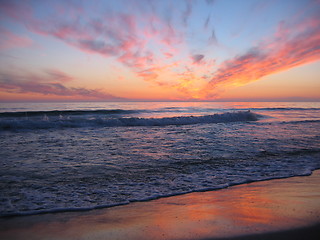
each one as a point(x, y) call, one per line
point(240, 210)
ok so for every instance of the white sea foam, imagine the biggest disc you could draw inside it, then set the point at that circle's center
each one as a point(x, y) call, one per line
point(80, 159)
point(101, 121)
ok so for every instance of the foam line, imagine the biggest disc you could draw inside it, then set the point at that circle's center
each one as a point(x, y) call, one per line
point(47, 122)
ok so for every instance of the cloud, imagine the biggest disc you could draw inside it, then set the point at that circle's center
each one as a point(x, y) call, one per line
point(153, 41)
point(210, 2)
point(96, 46)
point(115, 34)
point(57, 75)
point(186, 14)
point(148, 74)
point(30, 83)
point(16, 10)
point(289, 48)
point(213, 38)
point(10, 40)
point(197, 58)
point(206, 23)
point(112, 36)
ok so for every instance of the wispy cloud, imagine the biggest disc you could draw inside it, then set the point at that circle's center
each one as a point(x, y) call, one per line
point(14, 10)
point(47, 84)
point(186, 14)
point(154, 41)
point(206, 23)
point(57, 75)
point(197, 58)
point(213, 38)
point(210, 2)
point(113, 36)
point(116, 34)
point(10, 40)
point(289, 48)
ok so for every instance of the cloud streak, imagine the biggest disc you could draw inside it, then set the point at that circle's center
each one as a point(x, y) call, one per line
point(186, 14)
point(119, 35)
point(283, 52)
point(159, 42)
point(49, 84)
point(197, 58)
point(57, 75)
point(10, 40)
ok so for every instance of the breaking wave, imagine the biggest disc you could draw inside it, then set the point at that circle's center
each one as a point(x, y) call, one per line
point(67, 112)
point(100, 120)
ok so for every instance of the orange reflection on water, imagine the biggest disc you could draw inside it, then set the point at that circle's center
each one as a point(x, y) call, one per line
point(250, 207)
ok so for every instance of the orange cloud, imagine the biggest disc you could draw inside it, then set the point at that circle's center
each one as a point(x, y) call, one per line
point(287, 50)
point(148, 50)
point(157, 47)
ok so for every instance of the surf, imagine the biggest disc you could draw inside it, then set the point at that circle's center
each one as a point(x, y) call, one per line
point(100, 120)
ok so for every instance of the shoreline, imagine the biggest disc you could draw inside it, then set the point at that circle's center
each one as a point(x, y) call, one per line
point(99, 207)
point(287, 208)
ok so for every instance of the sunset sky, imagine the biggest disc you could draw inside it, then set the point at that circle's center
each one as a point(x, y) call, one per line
point(159, 50)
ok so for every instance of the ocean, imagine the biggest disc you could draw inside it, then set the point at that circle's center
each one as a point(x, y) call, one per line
point(80, 156)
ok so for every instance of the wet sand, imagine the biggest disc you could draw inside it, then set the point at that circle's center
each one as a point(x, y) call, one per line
point(276, 209)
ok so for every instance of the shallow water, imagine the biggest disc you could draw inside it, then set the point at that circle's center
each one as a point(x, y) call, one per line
point(60, 156)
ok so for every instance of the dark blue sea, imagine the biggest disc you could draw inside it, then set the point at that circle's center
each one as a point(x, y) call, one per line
point(78, 156)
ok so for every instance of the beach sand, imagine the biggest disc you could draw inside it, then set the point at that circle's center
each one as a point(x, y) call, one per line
point(276, 209)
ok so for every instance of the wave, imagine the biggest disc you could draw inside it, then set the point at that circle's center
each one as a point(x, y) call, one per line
point(99, 121)
point(301, 121)
point(305, 172)
point(132, 111)
point(196, 109)
point(286, 109)
point(68, 113)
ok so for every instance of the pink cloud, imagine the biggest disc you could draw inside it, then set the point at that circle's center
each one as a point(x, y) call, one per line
point(10, 40)
point(168, 54)
point(35, 83)
point(148, 74)
point(289, 48)
point(57, 75)
point(150, 45)
point(137, 60)
point(19, 11)
point(112, 34)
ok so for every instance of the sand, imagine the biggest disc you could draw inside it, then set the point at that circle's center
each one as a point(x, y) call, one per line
point(276, 209)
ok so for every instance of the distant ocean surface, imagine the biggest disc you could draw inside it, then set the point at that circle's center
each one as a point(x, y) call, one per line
point(78, 156)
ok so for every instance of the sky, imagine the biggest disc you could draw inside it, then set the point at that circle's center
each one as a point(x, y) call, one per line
point(160, 50)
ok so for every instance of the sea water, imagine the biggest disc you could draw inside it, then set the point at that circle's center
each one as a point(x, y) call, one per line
point(77, 156)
